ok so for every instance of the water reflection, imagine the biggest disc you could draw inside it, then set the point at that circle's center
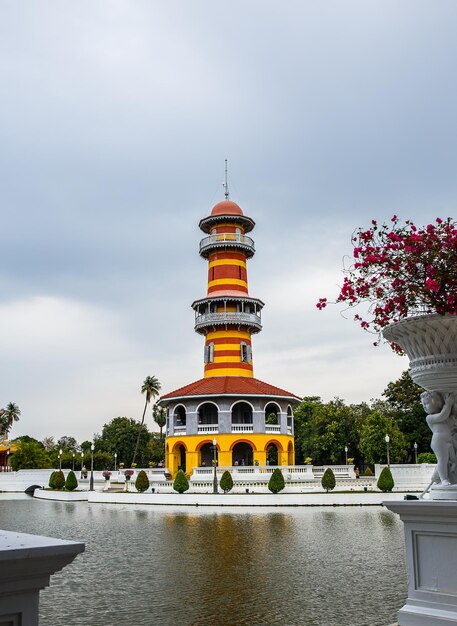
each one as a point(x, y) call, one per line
point(205, 567)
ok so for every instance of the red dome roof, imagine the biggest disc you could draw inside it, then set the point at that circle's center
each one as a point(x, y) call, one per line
point(226, 207)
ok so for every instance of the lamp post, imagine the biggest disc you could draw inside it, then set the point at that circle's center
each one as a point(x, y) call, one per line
point(346, 453)
point(60, 459)
point(91, 485)
point(214, 464)
point(387, 439)
point(115, 460)
point(415, 452)
point(73, 466)
point(7, 460)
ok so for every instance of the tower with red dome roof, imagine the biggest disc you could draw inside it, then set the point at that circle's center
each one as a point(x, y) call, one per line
point(248, 419)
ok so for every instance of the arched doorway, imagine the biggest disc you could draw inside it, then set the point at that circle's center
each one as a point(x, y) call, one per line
point(241, 413)
point(272, 454)
point(180, 452)
point(290, 454)
point(242, 454)
point(207, 455)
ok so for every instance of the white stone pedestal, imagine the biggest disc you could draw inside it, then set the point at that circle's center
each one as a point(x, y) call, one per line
point(26, 565)
point(431, 560)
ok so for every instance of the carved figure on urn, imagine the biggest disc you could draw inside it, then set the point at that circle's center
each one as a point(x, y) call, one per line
point(441, 421)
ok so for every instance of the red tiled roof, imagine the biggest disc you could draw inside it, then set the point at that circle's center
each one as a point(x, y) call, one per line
point(229, 385)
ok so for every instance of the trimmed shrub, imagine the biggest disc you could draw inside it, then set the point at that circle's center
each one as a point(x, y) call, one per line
point(142, 481)
point(59, 480)
point(71, 483)
point(180, 483)
point(52, 479)
point(226, 482)
point(276, 482)
point(385, 481)
point(426, 457)
point(328, 481)
point(368, 472)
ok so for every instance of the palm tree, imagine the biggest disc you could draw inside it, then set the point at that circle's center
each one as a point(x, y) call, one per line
point(8, 416)
point(160, 417)
point(151, 387)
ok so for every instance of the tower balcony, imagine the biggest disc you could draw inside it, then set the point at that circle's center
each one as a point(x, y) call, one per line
point(251, 320)
point(227, 240)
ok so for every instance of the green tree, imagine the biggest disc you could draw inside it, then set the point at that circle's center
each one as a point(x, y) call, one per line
point(180, 483)
point(8, 416)
point(405, 408)
point(426, 457)
point(68, 444)
point(30, 455)
point(276, 482)
point(226, 482)
point(151, 387)
point(156, 448)
point(324, 430)
point(372, 439)
point(328, 481)
point(385, 481)
point(120, 435)
point(160, 417)
point(142, 481)
point(71, 482)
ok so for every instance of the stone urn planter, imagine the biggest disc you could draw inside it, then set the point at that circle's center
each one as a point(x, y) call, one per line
point(430, 341)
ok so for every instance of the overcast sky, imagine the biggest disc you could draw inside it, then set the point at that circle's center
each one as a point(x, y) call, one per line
point(115, 120)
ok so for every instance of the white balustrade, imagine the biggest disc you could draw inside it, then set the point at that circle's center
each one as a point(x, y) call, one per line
point(242, 428)
point(272, 428)
point(208, 429)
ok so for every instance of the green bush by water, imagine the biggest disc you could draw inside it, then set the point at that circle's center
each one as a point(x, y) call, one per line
point(71, 483)
point(385, 481)
point(142, 481)
point(328, 481)
point(226, 482)
point(276, 482)
point(59, 480)
point(180, 484)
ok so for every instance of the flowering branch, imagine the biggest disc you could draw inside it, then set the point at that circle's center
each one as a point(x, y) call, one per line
point(401, 271)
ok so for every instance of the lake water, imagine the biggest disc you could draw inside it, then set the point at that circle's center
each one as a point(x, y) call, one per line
point(144, 566)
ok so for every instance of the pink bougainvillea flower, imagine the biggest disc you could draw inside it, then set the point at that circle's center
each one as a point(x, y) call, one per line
point(401, 270)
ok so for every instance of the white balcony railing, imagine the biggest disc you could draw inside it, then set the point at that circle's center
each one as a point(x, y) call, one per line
point(242, 428)
point(252, 319)
point(272, 428)
point(208, 428)
point(227, 239)
point(179, 429)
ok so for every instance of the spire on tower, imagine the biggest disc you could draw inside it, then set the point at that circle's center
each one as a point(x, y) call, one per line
point(225, 185)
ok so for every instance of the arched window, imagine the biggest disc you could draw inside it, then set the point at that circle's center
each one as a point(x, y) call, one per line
point(272, 414)
point(180, 415)
point(290, 417)
point(241, 413)
point(207, 414)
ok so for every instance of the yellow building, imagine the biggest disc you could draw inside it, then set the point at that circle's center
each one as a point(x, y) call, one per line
point(228, 415)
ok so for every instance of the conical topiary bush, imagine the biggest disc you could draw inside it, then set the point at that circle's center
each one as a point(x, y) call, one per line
point(59, 480)
point(328, 481)
point(52, 478)
point(276, 482)
point(142, 481)
point(71, 483)
point(385, 481)
point(180, 483)
point(226, 481)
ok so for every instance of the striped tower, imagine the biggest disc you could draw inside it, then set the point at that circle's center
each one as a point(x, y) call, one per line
point(227, 316)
